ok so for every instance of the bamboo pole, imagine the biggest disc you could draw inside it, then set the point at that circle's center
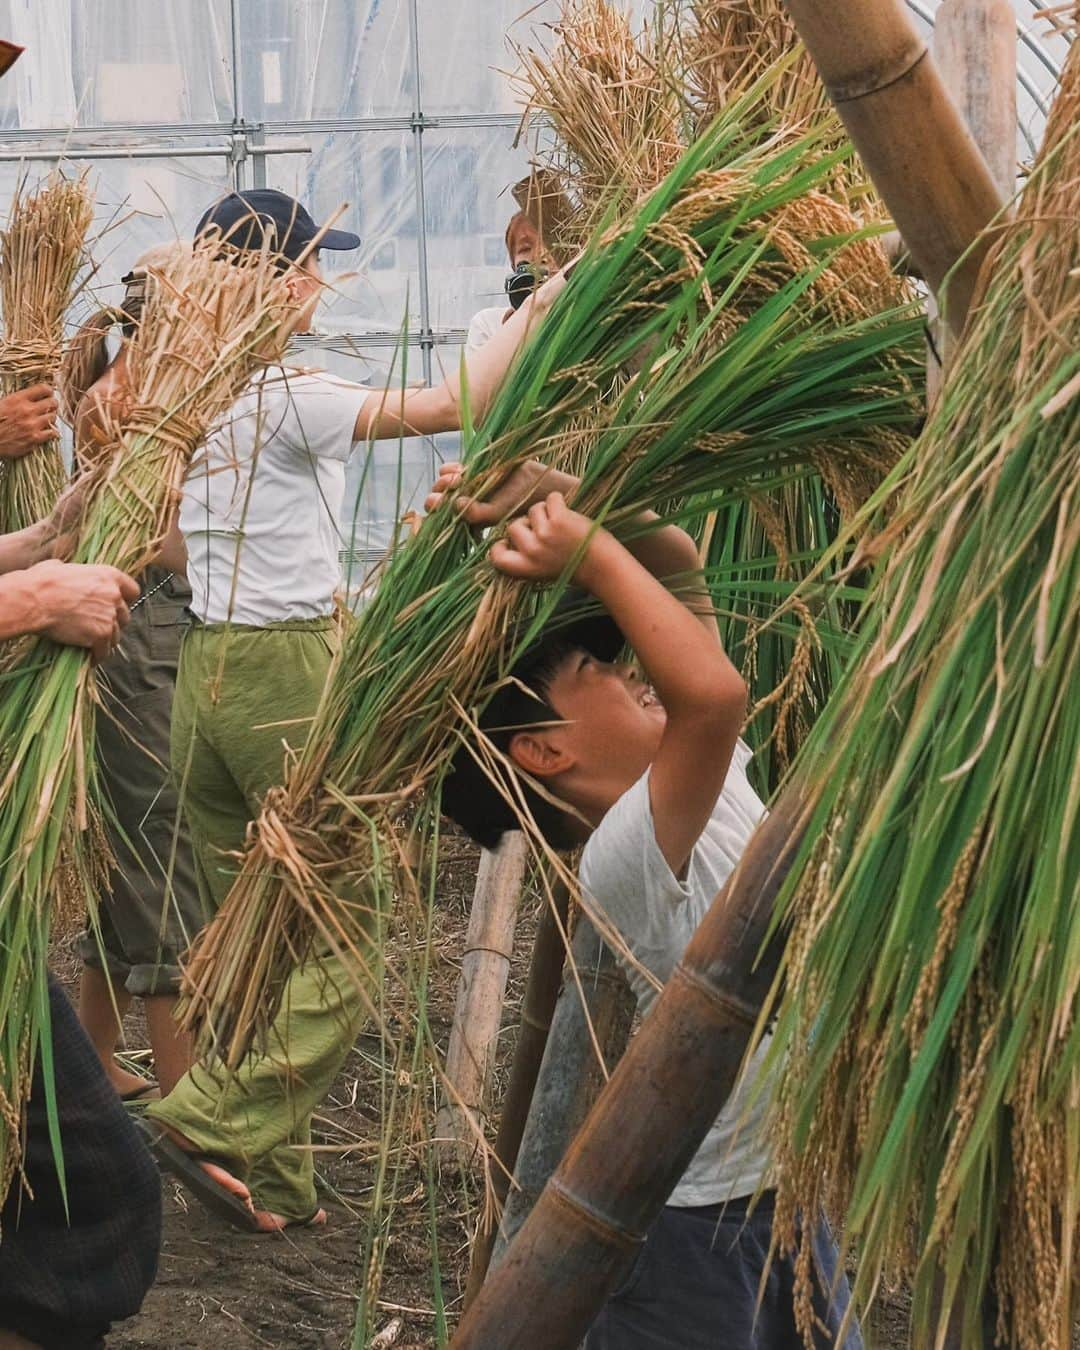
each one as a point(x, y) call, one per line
point(975, 49)
point(910, 135)
point(537, 1010)
point(595, 1009)
point(485, 968)
point(648, 1122)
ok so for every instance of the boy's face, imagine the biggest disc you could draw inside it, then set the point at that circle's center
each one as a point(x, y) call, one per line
point(613, 723)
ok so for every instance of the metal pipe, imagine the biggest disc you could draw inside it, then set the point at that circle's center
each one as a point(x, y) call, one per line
point(150, 152)
point(421, 203)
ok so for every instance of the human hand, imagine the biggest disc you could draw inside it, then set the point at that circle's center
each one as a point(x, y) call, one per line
point(543, 543)
point(27, 420)
point(523, 486)
point(549, 291)
point(82, 605)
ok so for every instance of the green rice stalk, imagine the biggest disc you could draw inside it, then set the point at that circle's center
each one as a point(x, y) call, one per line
point(208, 324)
point(622, 104)
point(42, 251)
point(713, 410)
point(927, 1008)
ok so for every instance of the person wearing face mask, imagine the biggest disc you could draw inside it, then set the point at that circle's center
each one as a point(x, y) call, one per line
point(530, 263)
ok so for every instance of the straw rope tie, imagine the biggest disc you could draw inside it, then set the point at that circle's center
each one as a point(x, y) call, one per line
point(29, 358)
point(165, 425)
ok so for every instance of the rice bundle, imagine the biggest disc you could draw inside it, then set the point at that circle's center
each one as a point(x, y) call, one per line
point(928, 1019)
point(208, 323)
point(712, 409)
point(41, 253)
point(622, 105)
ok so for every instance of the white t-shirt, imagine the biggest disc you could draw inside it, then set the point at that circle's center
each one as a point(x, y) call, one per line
point(628, 879)
point(483, 326)
point(263, 498)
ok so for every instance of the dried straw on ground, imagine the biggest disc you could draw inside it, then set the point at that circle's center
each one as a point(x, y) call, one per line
point(714, 408)
point(208, 323)
point(928, 1022)
point(41, 254)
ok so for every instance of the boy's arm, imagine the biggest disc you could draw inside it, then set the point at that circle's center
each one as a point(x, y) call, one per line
point(702, 693)
point(666, 551)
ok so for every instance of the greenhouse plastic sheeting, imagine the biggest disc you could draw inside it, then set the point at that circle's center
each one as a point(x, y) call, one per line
point(399, 109)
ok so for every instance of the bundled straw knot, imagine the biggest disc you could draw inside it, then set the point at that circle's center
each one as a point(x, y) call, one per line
point(165, 425)
point(28, 360)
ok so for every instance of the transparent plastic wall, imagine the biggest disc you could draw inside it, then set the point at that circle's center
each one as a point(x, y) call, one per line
point(400, 109)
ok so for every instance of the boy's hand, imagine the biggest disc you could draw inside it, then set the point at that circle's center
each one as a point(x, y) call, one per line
point(541, 545)
point(523, 487)
point(27, 420)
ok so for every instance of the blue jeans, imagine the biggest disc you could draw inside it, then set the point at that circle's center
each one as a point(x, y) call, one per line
point(695, 1286)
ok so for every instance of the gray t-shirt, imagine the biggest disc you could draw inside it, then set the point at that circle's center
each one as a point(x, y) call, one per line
point(628, 879)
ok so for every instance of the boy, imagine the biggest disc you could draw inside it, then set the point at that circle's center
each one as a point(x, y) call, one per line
point(648, 772)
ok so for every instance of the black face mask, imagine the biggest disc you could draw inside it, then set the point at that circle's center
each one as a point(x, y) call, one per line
point(521, 283)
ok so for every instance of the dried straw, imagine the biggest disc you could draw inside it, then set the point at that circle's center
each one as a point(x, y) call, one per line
point(41, 253)
point(208, 323)
point(623, 103)
point(712, 410)
point(928, 1025)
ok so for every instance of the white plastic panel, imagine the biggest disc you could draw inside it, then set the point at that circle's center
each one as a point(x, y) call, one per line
point(305, 59)
point(468, 173)
point(111, 62)
point(303, 76)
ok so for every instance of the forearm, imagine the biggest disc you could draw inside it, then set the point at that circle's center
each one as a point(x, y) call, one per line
point(682, 655)
point(666, 551)
point(24, 548)
point(425, 412)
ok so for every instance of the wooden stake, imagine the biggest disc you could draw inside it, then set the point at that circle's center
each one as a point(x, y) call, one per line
point(910, 134)
point(598, 1013)
point(485, 967)
point(649, 1121)
point(537, 1009)
point(975, 50)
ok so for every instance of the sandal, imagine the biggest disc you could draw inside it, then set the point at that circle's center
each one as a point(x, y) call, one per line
point(148, 1092)
point(186, 1167)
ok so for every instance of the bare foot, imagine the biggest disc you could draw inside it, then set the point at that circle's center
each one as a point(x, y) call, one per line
point(224, 1179)
point(273, 1223)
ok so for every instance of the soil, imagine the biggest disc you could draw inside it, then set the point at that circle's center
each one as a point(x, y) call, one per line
point(300, 1289)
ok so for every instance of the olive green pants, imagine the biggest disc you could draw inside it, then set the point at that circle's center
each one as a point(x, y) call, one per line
point(241, 695)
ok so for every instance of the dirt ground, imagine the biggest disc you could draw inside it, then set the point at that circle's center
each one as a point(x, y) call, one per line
point(218, 1288)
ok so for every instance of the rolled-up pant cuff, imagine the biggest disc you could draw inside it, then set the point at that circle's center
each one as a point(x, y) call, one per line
point(143, 980)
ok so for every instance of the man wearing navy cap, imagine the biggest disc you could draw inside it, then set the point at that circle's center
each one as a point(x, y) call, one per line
point(260, 521)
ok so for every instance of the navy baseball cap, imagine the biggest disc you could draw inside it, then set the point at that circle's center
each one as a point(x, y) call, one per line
point(248, 219)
